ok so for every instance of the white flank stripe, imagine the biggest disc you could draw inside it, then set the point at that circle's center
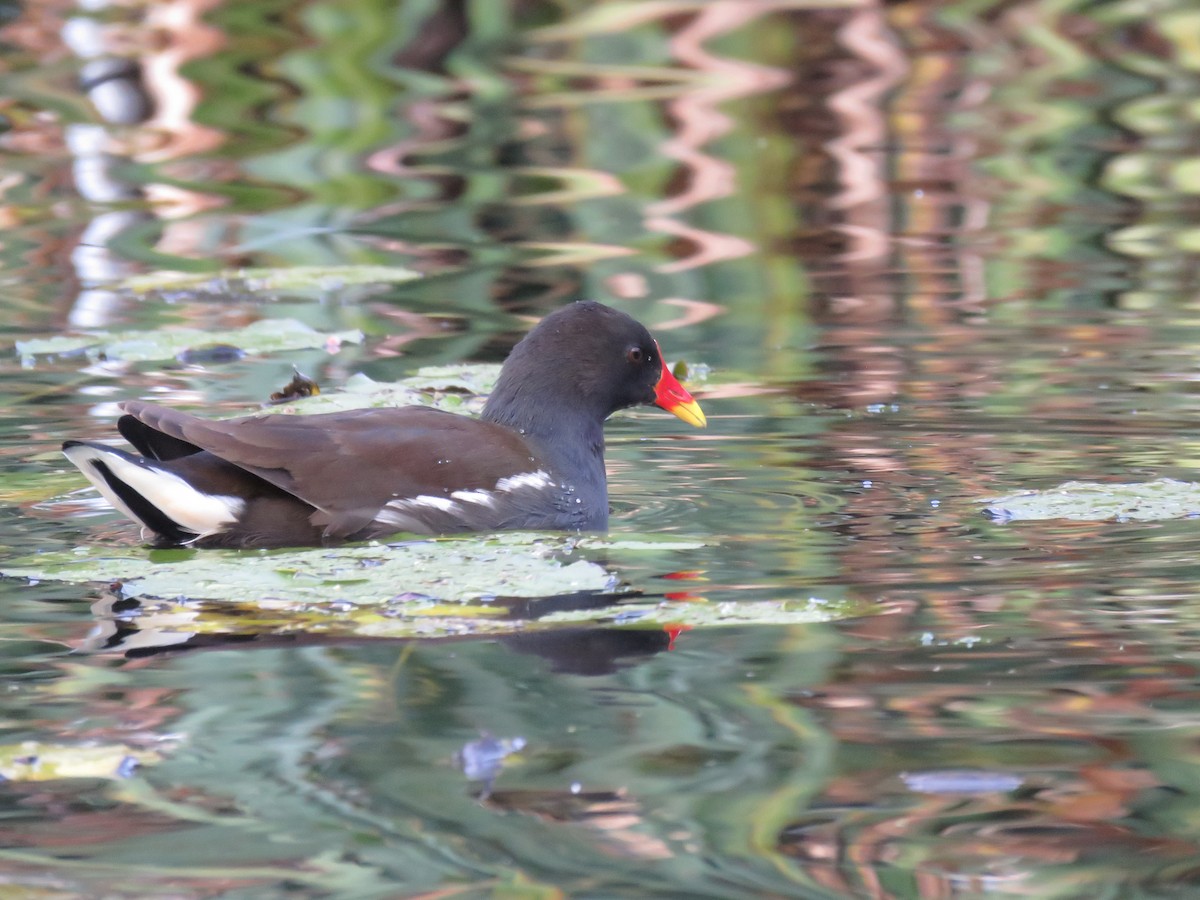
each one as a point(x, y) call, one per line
point(393, 517)
point(400, 513)
point(408, 503)
point(403, 511)
point(484, 498)
point(538, 480)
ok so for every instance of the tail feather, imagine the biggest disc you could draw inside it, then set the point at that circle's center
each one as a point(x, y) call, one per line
point(152, 443)
point(151, 495)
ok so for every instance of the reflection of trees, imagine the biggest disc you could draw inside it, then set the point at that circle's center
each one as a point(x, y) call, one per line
point(574, 153)
point(566, 187)
point(129, 71)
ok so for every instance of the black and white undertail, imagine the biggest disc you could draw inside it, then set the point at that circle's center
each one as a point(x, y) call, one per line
point(161, 501)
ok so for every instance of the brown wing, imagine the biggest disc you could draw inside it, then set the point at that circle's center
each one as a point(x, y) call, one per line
point(349, 464)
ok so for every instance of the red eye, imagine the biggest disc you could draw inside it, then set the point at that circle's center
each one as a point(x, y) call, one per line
point(634, 355)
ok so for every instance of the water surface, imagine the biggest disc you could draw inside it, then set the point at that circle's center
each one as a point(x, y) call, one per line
point(918, 255)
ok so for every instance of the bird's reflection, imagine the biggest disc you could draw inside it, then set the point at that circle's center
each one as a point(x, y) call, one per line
point(138, 628)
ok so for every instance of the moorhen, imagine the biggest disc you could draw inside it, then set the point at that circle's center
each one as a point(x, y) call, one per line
point(535, 460)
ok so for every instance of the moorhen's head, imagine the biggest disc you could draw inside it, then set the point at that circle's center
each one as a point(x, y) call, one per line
point(586, 358)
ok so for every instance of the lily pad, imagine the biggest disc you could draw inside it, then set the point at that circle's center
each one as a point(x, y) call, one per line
point(430, 588)
point(473, 378)
point(1146, 501)
point(446, 570)
point(288, 279)
point(264, 336)
point(448, 387)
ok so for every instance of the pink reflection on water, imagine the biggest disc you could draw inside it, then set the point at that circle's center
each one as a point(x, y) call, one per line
point(859, 108)
point(182, 37)
point(700, 122)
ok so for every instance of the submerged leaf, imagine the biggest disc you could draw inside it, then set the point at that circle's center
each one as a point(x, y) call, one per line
point(635, 542)
point(1165, 498)
point(700, 614)
point(37, 761)
point(166, 624)
point(21, 485)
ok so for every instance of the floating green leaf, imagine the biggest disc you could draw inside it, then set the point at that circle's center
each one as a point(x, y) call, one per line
point(264, 336)
point(427, 588)
point(1165, 498)
point(287, 279)
point(444, 386)
point(456, 570)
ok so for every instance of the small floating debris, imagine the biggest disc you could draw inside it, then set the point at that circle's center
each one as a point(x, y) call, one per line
point(483, 759)
point(298, 388)
point(961, 781)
